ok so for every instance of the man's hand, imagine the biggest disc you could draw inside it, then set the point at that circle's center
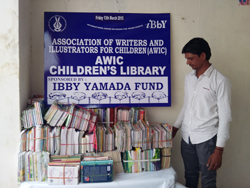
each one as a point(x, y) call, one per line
point(215, 160)
point(174, 132)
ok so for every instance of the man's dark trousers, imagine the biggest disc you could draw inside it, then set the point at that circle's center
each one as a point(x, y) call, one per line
point(195, 157)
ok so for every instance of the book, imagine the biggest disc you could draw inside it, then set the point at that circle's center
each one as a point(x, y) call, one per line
point(96, 171)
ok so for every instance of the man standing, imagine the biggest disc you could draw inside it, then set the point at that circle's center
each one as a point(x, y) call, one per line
point(205, 116)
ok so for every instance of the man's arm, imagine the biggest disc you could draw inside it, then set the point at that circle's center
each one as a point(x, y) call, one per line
point(224, 111)
point(174, 131)
point(178, 122)
point(215, 160)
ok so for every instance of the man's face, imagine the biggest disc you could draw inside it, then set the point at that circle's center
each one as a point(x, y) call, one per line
point(194, 61)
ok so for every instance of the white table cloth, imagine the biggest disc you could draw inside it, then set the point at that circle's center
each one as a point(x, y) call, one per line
point(165, 178)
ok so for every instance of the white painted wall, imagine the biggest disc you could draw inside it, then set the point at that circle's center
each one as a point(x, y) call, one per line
point(25, 51)
point(224, 24)
point(9, 92)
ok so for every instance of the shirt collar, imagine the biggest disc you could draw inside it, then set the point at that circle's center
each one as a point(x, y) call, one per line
point(206, 73)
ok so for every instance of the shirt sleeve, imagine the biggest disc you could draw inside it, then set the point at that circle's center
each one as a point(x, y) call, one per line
point(178, 122)
point(224, 111)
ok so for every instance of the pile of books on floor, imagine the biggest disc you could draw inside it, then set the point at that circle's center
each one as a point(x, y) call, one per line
point(123, 135)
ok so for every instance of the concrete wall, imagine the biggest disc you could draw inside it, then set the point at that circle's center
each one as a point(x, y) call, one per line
point(224, 24)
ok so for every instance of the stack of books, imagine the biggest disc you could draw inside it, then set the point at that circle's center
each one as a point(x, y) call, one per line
point(64, 170)
point(96, 169)
point(123, 137)
point(135, 161)
point(33, 115)
point(32, 166)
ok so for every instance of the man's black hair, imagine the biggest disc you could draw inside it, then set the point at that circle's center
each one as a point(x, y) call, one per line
point(197, 46)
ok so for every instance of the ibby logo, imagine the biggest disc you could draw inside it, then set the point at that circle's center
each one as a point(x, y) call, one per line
point(57, 23)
